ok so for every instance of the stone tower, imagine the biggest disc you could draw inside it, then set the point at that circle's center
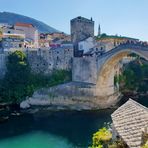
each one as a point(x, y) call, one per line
point(99, 30)
point(81, 28)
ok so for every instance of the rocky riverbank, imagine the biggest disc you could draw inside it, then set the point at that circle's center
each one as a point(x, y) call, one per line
point(7, 110)
point(73, 96)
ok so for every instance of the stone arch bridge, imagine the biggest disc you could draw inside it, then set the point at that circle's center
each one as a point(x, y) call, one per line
point(93, 81)
point(100, 71)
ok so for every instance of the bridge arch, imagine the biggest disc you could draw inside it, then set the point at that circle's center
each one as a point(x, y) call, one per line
point(106, 70)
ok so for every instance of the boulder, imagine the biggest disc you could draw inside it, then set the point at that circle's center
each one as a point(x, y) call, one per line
point(25, 104)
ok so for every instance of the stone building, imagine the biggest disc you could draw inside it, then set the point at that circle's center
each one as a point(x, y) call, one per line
point(44, 43)
point(81, 28)
point(31, 33)
point(59, 35)
point(108, 42)
point(130, 123)
point(46, 60)
point(19, 35)
point(11, 38)
point(12, 43)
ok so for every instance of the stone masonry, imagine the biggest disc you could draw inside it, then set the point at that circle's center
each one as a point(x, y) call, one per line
point(81, 28)
point(43, 60)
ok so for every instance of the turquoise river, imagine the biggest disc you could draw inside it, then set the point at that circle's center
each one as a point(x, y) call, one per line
point(53, 129)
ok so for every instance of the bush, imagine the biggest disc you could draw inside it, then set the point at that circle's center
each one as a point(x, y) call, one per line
point(145, 145)
point(118, 144)
point(101, 138)
point(13, 86)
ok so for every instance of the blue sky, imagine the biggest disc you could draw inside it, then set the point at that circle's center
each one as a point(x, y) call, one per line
point(122, 17)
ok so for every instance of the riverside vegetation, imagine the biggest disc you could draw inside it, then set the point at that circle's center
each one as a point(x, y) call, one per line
point(19, 82)
point(103, 138)
point(134, 77)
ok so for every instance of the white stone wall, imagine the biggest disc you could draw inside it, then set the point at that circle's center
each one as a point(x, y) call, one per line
point(30, 33)
point(13, 31)
point(86, 44)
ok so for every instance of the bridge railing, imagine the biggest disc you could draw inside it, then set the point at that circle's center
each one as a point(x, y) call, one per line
point(125, 46)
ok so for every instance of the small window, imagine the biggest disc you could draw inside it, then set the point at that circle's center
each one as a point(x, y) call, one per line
point(81, 47)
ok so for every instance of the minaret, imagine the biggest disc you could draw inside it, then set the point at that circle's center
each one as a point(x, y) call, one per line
point(99, 30)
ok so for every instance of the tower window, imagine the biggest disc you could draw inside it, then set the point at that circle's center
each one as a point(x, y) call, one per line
point(20, 45)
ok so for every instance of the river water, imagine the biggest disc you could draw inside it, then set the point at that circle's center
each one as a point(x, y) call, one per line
point(53, 129)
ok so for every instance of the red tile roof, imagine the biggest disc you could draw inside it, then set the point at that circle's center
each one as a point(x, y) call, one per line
point(24, 25)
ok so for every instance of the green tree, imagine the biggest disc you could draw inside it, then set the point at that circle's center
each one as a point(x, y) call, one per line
point(15, 84)
point(134, 76)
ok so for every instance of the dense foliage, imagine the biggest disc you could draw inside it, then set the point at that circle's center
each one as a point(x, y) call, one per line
point(19, 82)
point(101, 138)
point(145, 145)
point(134, 77)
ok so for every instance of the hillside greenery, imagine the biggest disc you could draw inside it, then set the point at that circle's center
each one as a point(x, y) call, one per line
point(19, 82)
point(105, 36)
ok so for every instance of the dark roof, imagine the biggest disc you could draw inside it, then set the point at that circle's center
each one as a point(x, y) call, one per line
point(66, 42)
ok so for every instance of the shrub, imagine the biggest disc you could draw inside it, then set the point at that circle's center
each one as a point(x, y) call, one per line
point(101, 138)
